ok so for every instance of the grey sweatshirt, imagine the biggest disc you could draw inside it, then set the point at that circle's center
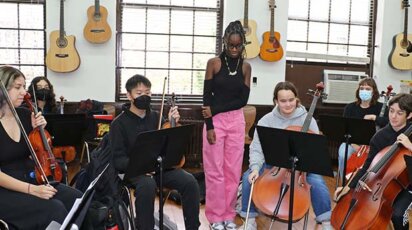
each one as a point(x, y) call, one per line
point(275, 120)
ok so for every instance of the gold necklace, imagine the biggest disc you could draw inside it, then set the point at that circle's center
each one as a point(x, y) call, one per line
point(228, 68)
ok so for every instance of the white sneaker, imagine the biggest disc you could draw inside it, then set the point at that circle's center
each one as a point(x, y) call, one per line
point(217, 226)
point(229, 225)
point(251, 224)
point(326, 225)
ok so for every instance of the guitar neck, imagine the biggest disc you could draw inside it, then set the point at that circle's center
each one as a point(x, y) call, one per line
point(62, 19)
point(272, 22)
point(96, 7)
point(246, 17)
point(405, 25)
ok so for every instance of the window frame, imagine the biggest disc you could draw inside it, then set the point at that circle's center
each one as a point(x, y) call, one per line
point(183, 99)
point(18, 29)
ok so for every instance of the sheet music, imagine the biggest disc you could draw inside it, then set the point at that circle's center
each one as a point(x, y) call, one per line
point(78, 201)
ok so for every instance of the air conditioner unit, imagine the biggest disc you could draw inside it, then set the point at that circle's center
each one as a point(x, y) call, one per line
point(341, 85)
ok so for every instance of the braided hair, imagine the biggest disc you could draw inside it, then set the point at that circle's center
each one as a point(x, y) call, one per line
point(234, 27)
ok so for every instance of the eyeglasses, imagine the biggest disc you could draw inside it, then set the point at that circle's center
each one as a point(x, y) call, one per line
point(238, 46)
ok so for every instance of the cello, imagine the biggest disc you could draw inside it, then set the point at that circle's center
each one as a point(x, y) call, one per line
point(383, 180)
point(271, 194)
point(358, 158)
point(40, 140)
point(40, 167)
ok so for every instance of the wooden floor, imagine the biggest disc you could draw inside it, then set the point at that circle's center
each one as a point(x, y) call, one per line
point(174, 211)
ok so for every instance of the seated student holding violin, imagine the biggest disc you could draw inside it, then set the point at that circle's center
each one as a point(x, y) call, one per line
point(45, 96)
point(24, 203)
point(400, 115)
point(365, 107)
point(138, 117)
point(287, 112)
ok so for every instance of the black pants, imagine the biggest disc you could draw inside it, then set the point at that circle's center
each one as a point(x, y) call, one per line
point(400, 207)
point(178, 179)
point(24, 211)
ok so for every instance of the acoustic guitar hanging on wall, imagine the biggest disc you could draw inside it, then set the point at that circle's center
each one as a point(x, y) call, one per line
point(252, 43)
point(62, 56)
point(271, 49)
point(97, 30)
point(401, 56)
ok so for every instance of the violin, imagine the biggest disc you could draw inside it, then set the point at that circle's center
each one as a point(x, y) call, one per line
point(39, 167)
point(40, 139)
point(384, 179)
point(172, 123)
point(270, 195)
point(358, 158)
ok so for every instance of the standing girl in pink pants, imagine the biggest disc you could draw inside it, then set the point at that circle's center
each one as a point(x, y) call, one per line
point(226, 91)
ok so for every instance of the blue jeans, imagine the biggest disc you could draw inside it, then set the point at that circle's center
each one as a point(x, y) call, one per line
point(341, 157)
point(319, 194)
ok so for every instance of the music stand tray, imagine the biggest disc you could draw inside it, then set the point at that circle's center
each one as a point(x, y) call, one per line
point(296, 151)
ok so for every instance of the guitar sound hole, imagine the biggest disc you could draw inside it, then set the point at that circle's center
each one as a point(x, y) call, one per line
point(61, 42)
point(97, 17)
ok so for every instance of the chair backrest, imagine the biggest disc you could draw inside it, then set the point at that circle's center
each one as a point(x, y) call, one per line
point(250, 115)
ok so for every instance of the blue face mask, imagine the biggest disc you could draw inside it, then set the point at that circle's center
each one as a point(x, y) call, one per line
point(365, 95)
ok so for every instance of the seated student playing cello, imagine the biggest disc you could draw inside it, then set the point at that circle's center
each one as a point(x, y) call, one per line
point(400, 114)
point(24, 203)
point(287, 112)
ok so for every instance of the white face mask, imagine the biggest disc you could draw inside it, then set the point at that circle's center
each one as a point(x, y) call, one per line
point(365, 95)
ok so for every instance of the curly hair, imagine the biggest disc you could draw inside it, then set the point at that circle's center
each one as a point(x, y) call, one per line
point(50, 103)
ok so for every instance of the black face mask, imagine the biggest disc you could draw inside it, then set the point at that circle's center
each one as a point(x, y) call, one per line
point(43, 94)
point(142, 102)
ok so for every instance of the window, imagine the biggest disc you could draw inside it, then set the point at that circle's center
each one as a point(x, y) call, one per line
point(337, 31)
point(22, 36)
point(167, 38)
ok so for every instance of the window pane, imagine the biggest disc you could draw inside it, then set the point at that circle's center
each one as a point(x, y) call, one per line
point(158, 42)
point(205, 3)
point(182, 22)
point(204, 44)
point(319, 10)
point(198, 78)
point(32, 56)
point(182, 2)
point(338, 33)
point(200, 60)
point(132, 20)
point(157, 78)
point(317, 48)
point(133, 41)
point(157, 60)
point(157, 21)
point(9, 56)
point(8, 15)
point(31, 72)
point(133, 58)
point(297, 30)
point(8, 38)
point(360, 11)
point(158, 2)
point(134, 1)
point(203, 25)
point(29, 38)
point(296, 46)
point(338, 50)
point(318, 32)
point(358, 51)
point(181, 60)
point(359, 35)
point(301, 9)
point(180, 81)
point(340, 11)
point(181, 43)
point(31, 16)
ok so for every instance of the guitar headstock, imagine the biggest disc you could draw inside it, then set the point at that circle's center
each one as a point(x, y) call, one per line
point(272, 4)
point(319, 91)
point(405, 3)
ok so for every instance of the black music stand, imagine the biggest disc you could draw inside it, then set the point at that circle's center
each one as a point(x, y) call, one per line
point(348, 130)
point(296, 151)
point(155, 150)
point(66, 129)
point(408, 161)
